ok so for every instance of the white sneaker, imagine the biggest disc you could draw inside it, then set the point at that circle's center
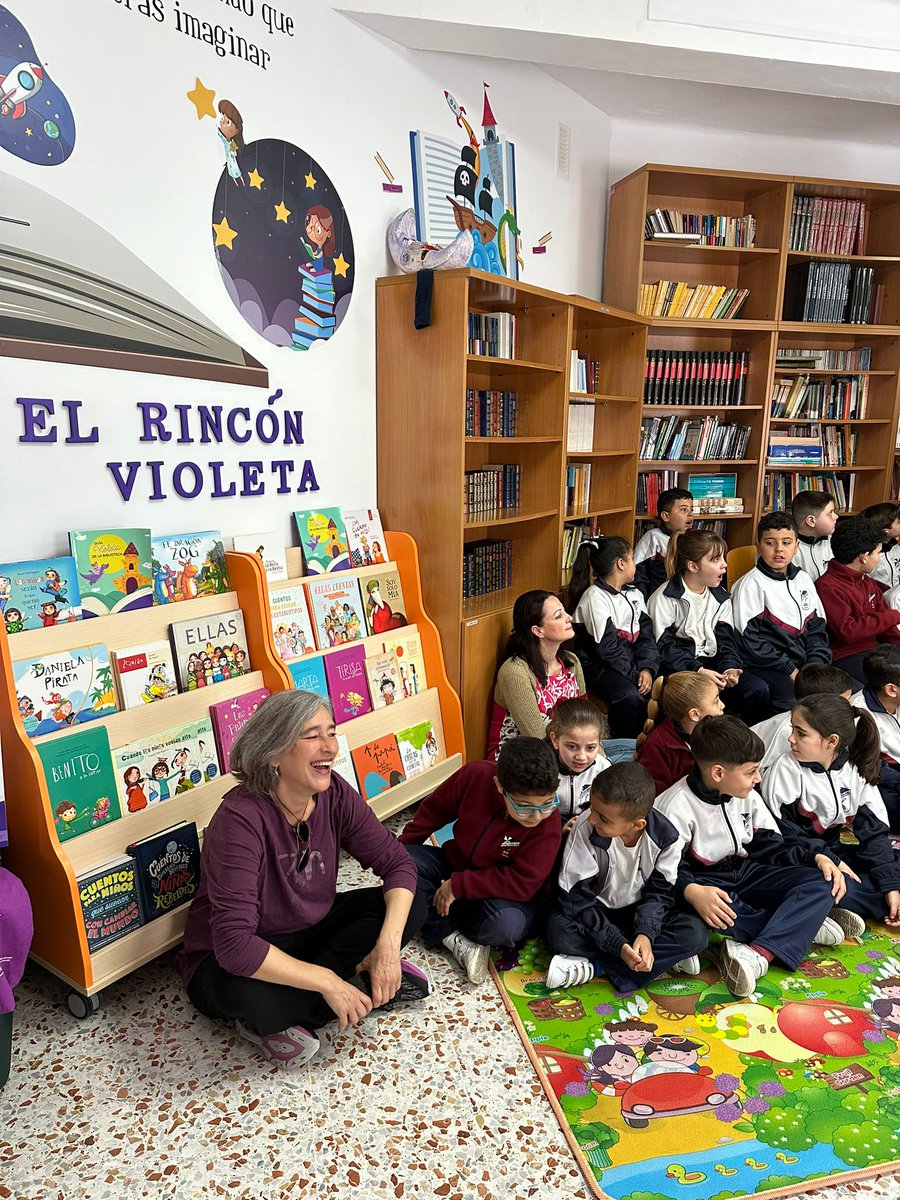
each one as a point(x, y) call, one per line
point(470, 956)
point(290, 1049)
point(742, 966)
point(688, 966)
point(565, 971)
point(830, 933)
point(850, 922)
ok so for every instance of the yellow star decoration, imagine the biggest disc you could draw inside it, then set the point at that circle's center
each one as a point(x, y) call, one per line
point(29, 132)
point(202, 99)
point(341, 265)
point(225, 235)
point(310, 181)
point(256, 180)
point(282, 213)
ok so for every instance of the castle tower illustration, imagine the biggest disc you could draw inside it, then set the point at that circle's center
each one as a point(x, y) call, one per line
point(492, 146)
point(130, 579)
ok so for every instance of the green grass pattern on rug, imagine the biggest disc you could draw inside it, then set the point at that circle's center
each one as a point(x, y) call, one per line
point(682, 1092)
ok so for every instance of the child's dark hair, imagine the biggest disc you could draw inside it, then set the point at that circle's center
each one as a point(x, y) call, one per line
point(627, 786)
point(882, 666)
point(596, 559)
point(601, 1056)
point(528, 611)
point(809, 504)
point(829, 715)
point(726, 742)
point(690, 546)
point(669, 498)
point(577, 713)
point(632, 1023)
point(773, 521)
point(883, 515)
point(526, 766)
point(854, 536)
point(813, 678)
point(888, 981)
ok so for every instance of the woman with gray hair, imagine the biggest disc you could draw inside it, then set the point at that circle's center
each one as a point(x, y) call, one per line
point(269, 943)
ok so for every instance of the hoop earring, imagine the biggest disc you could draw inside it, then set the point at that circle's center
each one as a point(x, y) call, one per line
point(275, 771)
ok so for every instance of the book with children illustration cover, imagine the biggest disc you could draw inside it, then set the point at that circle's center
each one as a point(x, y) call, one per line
point(343, 763)
point(228, 719)
point(382, 596)
point(268, 549)
point(308, 675)
point(167, 868)
point(115, 570)
point(365, 537)
point(291, 625)
point(188, 565)
point(145, 674)
point(39, 593)
point(210, 649)
point(55, 691)
point(109, 902)
point(384, 679)
point(80, 781)
point(418, 748)
point(345, 671)
point(323, 540)
point(336, 611)
point(407, 645)
point(378, 766)
point(154, 768)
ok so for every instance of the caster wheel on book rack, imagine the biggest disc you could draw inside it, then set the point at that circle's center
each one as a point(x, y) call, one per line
point(82, 1006)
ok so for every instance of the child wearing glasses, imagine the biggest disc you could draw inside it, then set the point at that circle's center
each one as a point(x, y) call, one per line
point(482, 886)
point(615, 911)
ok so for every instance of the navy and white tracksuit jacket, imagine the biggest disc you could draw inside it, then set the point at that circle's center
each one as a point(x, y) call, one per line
point(813, 555)
point(887, 569)
point(670, 610)
point(613, 631)
point(574, 791)
point(888, 725)
point(774, 733)
point(780, 619)
point(650, 560)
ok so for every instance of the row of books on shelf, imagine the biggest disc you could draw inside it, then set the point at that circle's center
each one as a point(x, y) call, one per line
point(487, 567)
point(839, 398)
point(580, 427)
point(781, 487)
point(821, 359)
point(491, 489)
point(492, 335)
point(812, 446)
point(827, 225)
point(704, 377)
point(584, 373)
point(836, 293)
point(490, 413)
point(675, 437)
point(578, 488)
point(707, 229)
point(711, 493)
point(693, 302)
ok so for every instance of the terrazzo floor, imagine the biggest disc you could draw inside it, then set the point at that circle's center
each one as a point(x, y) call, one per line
point(148, 1099)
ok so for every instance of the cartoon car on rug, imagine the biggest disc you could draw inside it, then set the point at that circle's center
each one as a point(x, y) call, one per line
point(661, 1095)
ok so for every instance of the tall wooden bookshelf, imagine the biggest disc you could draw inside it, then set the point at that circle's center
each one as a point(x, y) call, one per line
point(424, 451)
point(763, 325)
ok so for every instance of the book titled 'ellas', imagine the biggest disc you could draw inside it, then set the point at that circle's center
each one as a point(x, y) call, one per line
point(167, 869)
point(210, 649)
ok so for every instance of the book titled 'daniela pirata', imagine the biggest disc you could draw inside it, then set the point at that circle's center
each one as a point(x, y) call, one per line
point(210, 649)
point(55, 691)
point(167, 869)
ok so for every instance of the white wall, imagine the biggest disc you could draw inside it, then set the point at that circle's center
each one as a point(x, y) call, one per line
point(146, 169)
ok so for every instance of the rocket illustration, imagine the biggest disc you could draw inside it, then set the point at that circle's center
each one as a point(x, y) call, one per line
point(18, 87)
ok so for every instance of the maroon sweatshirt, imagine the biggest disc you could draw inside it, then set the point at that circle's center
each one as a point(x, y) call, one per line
point(666, 754)
point(855, 610)
point(492, 856)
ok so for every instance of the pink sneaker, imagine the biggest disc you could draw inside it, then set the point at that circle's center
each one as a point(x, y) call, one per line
point(290, 1049)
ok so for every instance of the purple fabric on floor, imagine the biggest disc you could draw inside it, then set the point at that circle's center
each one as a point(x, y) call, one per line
point(16, 928)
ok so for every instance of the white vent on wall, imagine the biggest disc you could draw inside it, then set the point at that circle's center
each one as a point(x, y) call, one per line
point(563, 150)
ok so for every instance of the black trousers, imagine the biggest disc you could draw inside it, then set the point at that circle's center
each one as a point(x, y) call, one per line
point(340, 941)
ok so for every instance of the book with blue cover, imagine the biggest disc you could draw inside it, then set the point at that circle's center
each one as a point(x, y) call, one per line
point(39, 593)
point(308, 675)
point(167, 869)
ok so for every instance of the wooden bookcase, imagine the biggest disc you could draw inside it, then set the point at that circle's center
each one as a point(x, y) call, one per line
point(49, 868)
point(423, 451)
point(761, 327)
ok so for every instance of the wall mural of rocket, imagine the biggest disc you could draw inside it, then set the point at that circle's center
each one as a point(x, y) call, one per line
point(36, 122)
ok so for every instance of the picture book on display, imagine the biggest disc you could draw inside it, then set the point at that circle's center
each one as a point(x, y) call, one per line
point(365, 537)
point(384, 679)
point(167, 869)
point(210, 649)
point(68, 688)
point(39, 593)
point(323, 540)
point(418, 748)
point(80, 781)
point(378, 766)
point(382, 596)
point(308, 675)
point(268, 549)
point(407, 645)
point(345, 671)
point(115, 570)
point(343, 763)
point(152, 769)
point(145, 673)
point(228, 719)
point(109, 902)
point(188, 565)
point(336, 611)
point(291, 625)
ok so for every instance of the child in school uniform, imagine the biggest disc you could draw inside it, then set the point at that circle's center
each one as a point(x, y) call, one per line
point(674, 513)
point(575, 732)
point(881, 698)
point(615, 910)
point(483, 886)
point(855, 609)
point(693, 623)
point(811, 680)
point(887, 517)
point(613, 633)
point(815, 516)
point(826, 782)
point(737, 871)
point(665, 750)
point(777, 612)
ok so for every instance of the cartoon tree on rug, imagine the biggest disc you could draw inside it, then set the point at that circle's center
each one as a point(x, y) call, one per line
point(596, 1139)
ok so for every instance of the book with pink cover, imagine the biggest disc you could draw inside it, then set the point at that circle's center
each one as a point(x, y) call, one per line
point(228, 719)
point(345, 671)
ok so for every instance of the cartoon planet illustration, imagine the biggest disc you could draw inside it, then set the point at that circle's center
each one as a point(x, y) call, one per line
point(51, 129)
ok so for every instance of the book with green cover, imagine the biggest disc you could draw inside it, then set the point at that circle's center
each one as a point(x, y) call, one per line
point(81, 782)
point(115, 570)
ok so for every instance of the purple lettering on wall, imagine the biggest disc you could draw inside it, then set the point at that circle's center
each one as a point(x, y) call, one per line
point(34, 415)
point(75, 435)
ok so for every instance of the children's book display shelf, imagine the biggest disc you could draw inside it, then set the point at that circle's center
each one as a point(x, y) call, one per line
point(49, 868)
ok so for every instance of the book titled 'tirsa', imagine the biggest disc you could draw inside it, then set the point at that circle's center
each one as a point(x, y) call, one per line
point(109, 902)
point(348, 687)
point(167, 869)
point(210, 649)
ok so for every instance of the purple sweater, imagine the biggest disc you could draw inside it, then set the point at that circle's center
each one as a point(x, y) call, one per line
point(250, 889)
